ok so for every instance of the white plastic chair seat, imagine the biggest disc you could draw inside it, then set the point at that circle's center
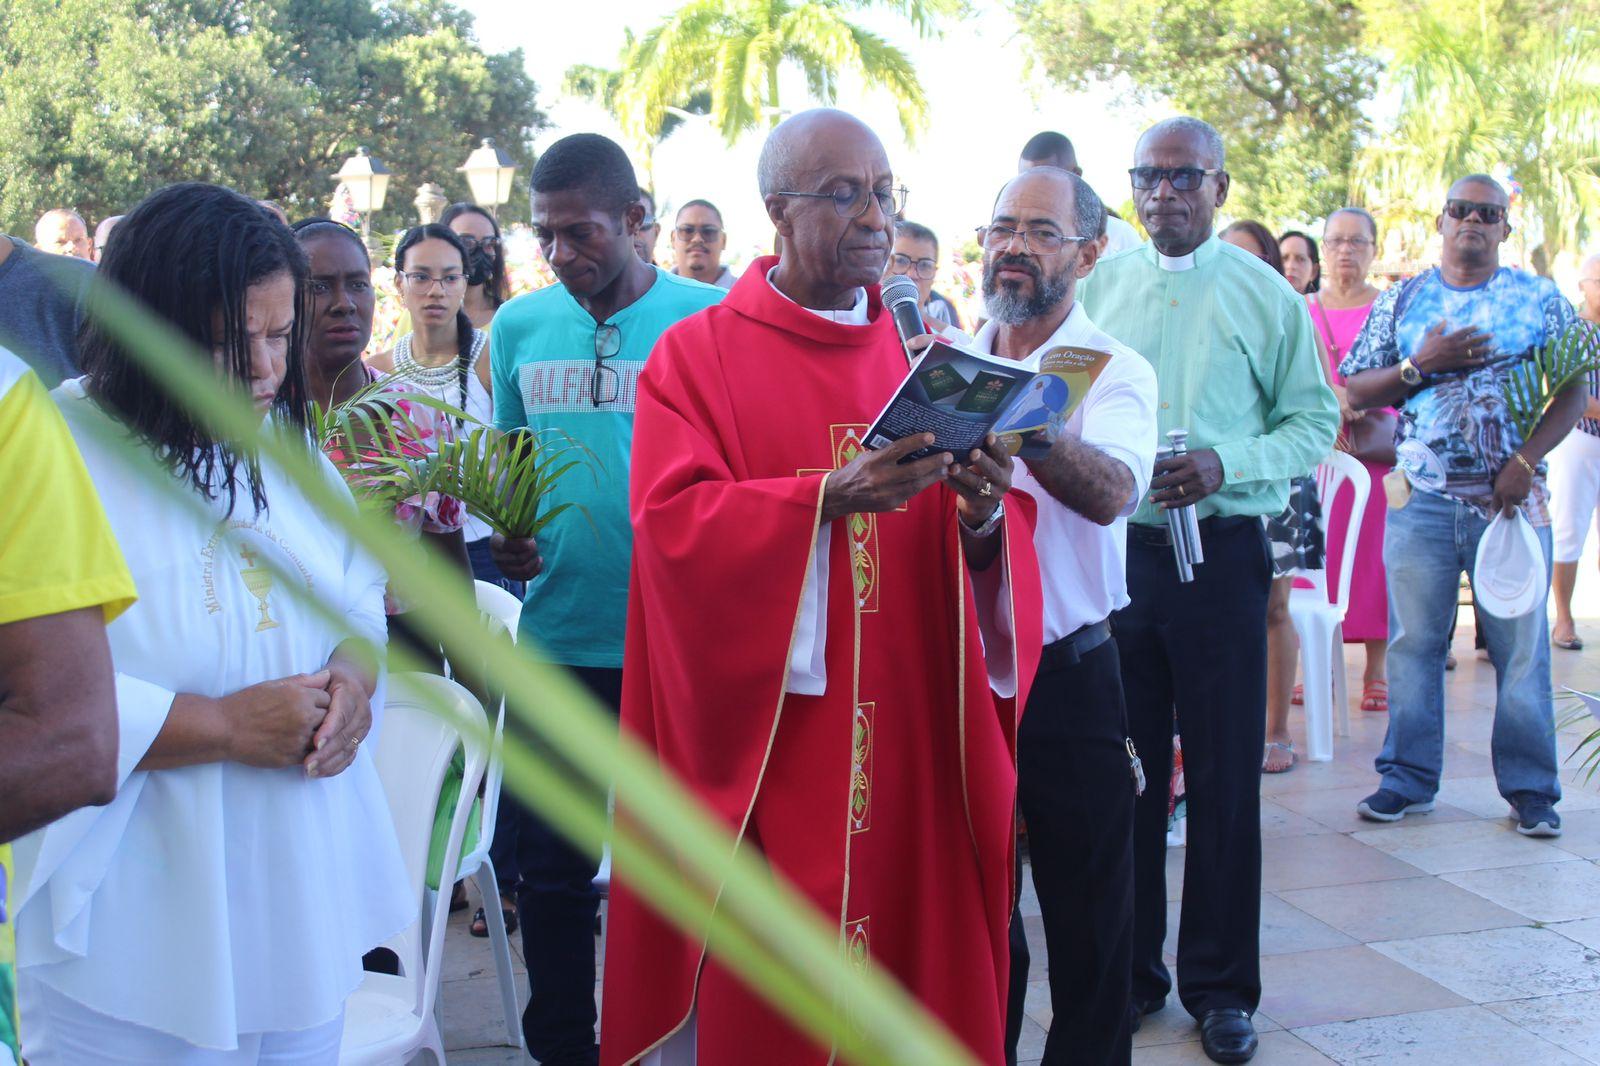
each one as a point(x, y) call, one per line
point(376, 1018)
point(1318, 622)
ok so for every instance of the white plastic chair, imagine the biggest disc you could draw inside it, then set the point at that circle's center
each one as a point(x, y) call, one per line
point(500, 610)
point(391, 1019)
point(1319, 620)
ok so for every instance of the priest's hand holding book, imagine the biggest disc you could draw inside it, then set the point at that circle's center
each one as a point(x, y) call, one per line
point(877, 481)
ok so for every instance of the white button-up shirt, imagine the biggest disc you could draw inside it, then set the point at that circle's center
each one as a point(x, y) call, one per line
point(1084, 565)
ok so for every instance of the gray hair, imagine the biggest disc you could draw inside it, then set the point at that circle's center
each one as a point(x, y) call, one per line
point(1088, 210)
point(1205, 131)
point(1361, 213)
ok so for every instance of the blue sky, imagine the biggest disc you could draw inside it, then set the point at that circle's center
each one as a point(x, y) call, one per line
point(984, 103)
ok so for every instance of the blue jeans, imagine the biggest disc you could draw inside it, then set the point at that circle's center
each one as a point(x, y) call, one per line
point(1427, 544)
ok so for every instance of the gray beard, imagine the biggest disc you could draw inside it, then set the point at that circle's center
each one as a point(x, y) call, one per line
point(1005, 305)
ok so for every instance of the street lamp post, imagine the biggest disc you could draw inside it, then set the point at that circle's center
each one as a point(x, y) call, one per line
point(368, 181)
point(489, 170)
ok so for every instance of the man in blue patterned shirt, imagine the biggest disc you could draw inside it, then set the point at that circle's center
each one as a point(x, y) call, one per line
point(1439, 347)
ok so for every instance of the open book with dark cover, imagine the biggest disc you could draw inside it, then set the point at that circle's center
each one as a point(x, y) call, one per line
point(961, 396)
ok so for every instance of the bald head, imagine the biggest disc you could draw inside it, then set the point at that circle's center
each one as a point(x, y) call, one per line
point(1077, 208)
point(792, 145)
point(830, 193)
point(62, 232)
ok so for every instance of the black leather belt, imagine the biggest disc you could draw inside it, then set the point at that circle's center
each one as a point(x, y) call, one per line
point(1161, 537)
point(1070, 649)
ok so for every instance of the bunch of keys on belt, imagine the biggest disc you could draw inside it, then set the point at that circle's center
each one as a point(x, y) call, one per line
point(1183, 525)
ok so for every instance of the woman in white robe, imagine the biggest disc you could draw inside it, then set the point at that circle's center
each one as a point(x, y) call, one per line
point(216, 912)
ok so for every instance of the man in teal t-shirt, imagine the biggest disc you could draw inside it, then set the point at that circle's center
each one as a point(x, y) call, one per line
point(566, 360)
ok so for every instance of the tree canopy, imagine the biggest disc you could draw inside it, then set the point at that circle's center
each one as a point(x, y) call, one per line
point(104, 101)
point(1283, 80)
point(722, 57)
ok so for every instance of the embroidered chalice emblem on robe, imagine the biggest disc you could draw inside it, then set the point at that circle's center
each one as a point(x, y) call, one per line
point(258, 580)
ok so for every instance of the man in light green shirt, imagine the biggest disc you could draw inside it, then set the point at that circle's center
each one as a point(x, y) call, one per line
point(1237, 367)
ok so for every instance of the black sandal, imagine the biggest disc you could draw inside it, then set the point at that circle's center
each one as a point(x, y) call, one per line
point(480, 922)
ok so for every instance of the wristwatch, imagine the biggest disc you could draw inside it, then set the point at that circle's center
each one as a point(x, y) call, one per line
point(990, 524)
point(1409, 372)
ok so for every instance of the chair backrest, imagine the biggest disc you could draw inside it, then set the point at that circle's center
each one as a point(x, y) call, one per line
point(501, 610)
point(425, 719)
point(1333, 474)
point(499, 604)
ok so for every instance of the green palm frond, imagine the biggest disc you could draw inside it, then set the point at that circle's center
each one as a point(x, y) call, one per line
point(1530, 385)
point(506, 478)
point(735, 49)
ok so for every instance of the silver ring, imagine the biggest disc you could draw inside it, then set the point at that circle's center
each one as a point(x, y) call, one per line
point(1182, 491)
point(355, 742)
point(987, 490)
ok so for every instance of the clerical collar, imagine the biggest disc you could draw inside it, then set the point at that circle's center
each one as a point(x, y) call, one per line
point(848, 316)
point(1175, 263)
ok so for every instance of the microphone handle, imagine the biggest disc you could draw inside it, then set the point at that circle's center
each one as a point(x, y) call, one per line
point(908, 323)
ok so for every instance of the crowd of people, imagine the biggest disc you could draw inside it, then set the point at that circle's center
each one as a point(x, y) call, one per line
point(872, 660)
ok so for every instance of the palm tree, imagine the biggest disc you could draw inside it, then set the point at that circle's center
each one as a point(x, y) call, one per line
point(728, 54)
point(1478, 94)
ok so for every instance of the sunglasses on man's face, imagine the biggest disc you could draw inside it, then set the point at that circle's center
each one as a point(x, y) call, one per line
point(1182, 179)
point(1488, 214)
point(707, 233)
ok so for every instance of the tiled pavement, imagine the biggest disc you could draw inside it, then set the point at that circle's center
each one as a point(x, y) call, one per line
point(1447, 938)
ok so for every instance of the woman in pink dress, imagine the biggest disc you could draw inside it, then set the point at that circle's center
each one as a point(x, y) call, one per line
point(1338, 311)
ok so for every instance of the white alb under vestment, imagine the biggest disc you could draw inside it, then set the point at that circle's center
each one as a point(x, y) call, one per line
point(1083, 566)
point(216, 900)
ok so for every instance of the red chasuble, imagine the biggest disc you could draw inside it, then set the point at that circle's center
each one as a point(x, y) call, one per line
point(887, 800)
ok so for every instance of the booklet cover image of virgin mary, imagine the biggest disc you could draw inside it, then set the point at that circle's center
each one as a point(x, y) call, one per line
point(1040, 412)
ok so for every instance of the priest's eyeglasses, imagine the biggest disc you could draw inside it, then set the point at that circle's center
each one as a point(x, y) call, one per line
point(851, 201)
point(606, 384)
point(917, 268)
point(1038, 241)
point(1182, 179)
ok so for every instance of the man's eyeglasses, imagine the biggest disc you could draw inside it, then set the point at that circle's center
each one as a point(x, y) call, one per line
point(994, 238)
point(423, 280)
point(851, 201)
point(648, 222)
point(488, 244)
point(606, 385)
point(1488, 214)
point(687, 233)
point(917, 268)
point(1182, 179)
point(1355, 244)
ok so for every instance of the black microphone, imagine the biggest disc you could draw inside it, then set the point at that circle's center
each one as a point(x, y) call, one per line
point(904, 302)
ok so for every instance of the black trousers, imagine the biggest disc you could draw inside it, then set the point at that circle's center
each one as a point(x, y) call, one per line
point(1199, 649)
point(1076, 793)
point(556, 905)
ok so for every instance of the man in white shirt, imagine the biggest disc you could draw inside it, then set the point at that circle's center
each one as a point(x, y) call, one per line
point(1076, 780)
point(1051, 149)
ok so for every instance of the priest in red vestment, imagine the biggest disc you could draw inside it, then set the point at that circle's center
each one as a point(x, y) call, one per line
point(807, 632)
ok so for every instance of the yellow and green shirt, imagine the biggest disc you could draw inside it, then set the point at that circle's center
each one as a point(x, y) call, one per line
point(57, 554)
